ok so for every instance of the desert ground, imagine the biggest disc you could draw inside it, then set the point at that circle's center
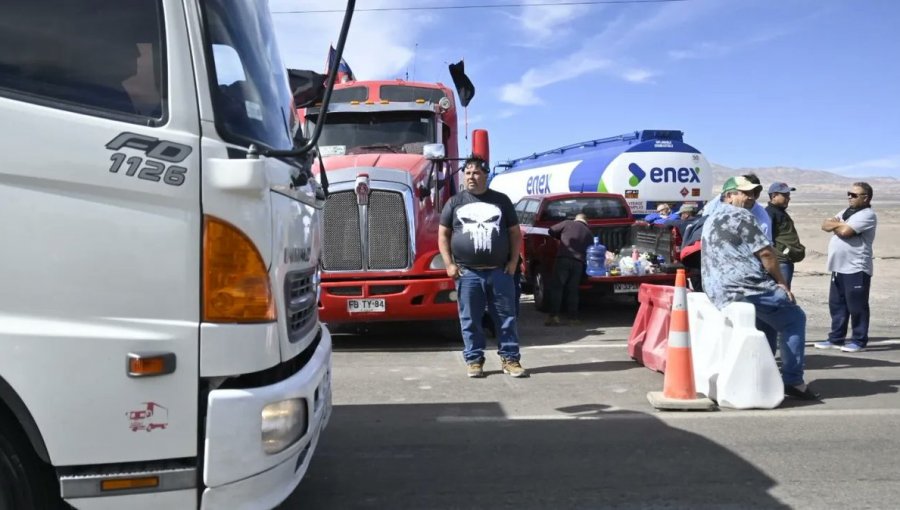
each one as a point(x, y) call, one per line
point(811, 278)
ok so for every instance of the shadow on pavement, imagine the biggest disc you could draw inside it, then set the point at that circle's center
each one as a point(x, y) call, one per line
point(840, 360)
point(595, 366)
point(467, 455)
point(844, 388)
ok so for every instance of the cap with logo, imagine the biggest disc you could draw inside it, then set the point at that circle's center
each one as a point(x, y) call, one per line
point(780, 187)
point(740, 183)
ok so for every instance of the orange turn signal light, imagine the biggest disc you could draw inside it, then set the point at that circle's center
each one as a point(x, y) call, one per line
point(235, 279)
point(147, 364)
point(119, 484)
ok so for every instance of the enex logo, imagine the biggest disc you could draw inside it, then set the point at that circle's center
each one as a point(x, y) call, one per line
point(668, 174)
point(637, 174)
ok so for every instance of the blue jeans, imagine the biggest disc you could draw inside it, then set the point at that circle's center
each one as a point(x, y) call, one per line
point(788, 322)
point(787, 270)
point(474, 287)
point(848, 299)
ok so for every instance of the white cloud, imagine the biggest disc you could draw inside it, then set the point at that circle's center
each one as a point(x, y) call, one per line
point(376, 48)
point(701, 51)
point(638, 75)
point(523, 92)
point(543, 23)
point(606, 51)
point(885, 166)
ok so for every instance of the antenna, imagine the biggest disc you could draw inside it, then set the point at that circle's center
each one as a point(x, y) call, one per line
point(415, 52)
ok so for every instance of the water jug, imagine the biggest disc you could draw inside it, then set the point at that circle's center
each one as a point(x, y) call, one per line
point(596, 259)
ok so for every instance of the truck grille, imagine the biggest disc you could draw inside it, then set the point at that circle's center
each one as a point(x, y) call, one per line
point(387, 232)
point(300, 301)
point(342, 251)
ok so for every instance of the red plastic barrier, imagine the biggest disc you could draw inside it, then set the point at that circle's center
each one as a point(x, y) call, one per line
point(650, 331)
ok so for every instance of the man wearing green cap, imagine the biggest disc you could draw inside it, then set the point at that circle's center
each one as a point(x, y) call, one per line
point(740, 264)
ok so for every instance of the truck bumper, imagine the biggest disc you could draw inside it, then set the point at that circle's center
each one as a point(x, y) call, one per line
point(625, 284)
point(404, 300)
point(237, 472)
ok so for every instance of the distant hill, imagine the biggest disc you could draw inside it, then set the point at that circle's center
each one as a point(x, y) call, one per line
point(807, 181)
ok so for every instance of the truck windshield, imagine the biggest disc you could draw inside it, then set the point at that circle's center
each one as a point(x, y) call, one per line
point(250, 91)
point(401, 132)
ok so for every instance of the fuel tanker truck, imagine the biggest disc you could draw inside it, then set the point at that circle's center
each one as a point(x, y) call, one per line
point(647, 167)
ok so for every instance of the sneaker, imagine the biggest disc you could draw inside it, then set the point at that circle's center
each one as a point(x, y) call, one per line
point(553, 320)
point(807, 394)
point(827, 344)
point(513, 368)
point(475, 369)
point(852, 347)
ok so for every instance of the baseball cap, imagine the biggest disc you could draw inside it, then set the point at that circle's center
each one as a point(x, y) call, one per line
point(740, 183)
point(780, 187)
point(687, 208)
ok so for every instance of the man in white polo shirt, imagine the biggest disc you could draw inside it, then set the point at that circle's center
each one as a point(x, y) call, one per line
point(850, 264)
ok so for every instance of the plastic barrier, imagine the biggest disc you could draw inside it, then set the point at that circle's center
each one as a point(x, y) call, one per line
point(650, 330)
point(733, 362)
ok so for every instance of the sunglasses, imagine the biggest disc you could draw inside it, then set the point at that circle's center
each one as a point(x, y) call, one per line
point(851, 194)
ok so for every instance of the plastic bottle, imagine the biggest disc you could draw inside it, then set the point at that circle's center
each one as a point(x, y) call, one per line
point(596, 259)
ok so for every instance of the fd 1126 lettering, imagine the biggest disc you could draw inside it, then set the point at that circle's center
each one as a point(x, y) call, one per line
point(148, 169)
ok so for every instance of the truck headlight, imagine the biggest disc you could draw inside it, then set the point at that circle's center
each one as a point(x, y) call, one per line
point(437, 262)
point(283, 423)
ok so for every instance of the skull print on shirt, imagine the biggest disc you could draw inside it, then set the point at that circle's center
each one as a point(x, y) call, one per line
point(480, 220)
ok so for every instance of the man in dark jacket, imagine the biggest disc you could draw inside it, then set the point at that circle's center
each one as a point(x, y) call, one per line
point(784, 234)
point(574, 238)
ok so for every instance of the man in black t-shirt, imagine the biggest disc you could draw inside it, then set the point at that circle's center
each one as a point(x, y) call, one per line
point(479, 240)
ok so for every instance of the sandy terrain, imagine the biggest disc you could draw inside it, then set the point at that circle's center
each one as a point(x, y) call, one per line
point(811, 279)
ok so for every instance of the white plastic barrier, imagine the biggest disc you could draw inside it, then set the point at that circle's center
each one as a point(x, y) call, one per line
point(733, 363)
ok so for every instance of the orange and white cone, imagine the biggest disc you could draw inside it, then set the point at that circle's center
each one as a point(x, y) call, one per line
point(679, 391)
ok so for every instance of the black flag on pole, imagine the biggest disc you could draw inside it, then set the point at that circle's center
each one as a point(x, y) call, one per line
point(463, 84)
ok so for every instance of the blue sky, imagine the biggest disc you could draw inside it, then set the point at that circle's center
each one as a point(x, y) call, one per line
point(813, 84)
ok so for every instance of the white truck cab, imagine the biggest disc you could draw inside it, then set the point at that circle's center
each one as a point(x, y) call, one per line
point(159, 338)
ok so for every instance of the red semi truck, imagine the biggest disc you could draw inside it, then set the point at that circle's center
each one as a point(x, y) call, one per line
point(390, 150)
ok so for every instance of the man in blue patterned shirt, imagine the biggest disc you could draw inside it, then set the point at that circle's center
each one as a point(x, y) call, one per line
point(740, 264)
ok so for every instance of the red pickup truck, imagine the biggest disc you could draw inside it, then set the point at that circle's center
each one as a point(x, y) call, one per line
point(610, 219)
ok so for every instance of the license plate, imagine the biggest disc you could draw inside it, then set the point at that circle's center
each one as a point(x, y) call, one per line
point(366, 305)
point(625, 288)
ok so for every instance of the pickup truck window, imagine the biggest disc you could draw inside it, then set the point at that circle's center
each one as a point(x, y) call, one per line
point(525, 210)
point(110, 63)
point(593, 208)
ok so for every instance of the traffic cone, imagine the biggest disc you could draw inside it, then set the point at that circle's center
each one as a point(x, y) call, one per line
point(679, 391)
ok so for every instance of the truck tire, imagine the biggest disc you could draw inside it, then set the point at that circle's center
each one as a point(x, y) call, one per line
point(25, 481)
point(540, 291)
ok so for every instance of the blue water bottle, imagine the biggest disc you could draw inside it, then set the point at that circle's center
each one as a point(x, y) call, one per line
point(596, 259)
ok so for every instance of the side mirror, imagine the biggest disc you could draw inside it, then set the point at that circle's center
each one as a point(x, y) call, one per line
point(434, 151)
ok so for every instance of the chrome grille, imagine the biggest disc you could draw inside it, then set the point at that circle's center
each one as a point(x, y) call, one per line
point(300, 301)
point(342, 250)
point(388, 231)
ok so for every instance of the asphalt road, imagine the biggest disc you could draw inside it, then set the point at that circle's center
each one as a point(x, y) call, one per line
point(410, 431)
